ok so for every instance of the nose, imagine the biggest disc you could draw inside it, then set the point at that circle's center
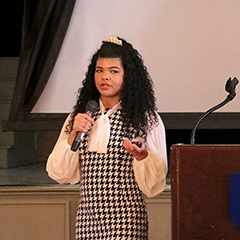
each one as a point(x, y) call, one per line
point(105, 77)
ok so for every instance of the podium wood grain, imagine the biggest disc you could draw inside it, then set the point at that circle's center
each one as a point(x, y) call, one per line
point(200, 191)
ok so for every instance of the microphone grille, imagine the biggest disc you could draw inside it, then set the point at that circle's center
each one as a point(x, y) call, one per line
point(92, 106)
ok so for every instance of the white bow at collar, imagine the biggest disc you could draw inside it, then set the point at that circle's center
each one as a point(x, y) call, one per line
point(100, 132)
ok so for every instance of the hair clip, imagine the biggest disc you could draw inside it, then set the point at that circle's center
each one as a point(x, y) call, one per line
point(114, 40)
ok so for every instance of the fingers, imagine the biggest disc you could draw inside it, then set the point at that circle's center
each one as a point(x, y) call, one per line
point(135, 146)
point(128, 145)
point(139, 153)
point(82, 122)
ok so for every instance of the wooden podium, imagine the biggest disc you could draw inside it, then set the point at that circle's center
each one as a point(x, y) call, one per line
point(200, 191)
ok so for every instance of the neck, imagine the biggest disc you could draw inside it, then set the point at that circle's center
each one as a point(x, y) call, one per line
point(109, 103)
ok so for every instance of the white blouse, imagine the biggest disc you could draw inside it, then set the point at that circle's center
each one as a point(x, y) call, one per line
point(150, 173)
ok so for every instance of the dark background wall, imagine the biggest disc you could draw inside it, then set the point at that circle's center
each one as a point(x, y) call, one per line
point(11, 19)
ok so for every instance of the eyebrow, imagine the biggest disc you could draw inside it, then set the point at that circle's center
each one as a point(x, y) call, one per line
point(109, 67)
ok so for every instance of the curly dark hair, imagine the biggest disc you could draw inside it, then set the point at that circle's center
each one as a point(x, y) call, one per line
point(137, 95)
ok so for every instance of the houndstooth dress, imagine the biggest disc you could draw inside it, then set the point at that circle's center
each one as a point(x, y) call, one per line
point(111, 206)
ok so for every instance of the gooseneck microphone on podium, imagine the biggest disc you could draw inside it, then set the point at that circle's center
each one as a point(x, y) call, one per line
point(230, 88)
point(90, 110)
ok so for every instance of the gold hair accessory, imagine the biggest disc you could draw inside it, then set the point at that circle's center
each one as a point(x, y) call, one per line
point(115, 40)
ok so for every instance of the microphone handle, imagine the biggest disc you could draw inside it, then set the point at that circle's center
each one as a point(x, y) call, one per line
point(79, 135)
point(77, 141)
point(89, 110)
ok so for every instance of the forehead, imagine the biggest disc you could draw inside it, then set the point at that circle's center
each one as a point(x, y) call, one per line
point(109, 62)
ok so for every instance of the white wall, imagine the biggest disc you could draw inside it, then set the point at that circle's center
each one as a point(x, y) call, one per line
point(190, 48)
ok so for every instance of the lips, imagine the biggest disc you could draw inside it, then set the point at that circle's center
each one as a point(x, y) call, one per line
point(104, 86)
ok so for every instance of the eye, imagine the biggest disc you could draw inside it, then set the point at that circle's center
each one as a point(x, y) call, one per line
point(114, 71)
point(98, 70)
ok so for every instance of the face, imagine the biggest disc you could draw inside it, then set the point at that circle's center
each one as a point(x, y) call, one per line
point(109, 75)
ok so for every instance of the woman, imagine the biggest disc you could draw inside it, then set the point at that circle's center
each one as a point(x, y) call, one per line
point(114, 172)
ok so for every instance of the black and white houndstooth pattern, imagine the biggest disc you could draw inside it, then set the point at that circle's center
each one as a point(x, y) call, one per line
point(111, 205)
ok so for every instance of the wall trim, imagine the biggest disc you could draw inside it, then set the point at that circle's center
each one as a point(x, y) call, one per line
point(54, 122)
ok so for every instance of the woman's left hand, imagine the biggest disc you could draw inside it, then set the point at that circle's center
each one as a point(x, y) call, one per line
point(138, 152)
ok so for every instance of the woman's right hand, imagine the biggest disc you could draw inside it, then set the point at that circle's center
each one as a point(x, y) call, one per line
point(82, 123)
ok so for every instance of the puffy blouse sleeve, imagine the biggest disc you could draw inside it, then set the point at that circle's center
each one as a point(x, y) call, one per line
point(63, 164)
point(151, 172)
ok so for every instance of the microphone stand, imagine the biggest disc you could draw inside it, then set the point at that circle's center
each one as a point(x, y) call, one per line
point(230, 87)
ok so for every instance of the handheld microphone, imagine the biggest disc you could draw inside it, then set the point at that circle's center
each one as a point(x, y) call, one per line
point(230, 88)
point(90, 110)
